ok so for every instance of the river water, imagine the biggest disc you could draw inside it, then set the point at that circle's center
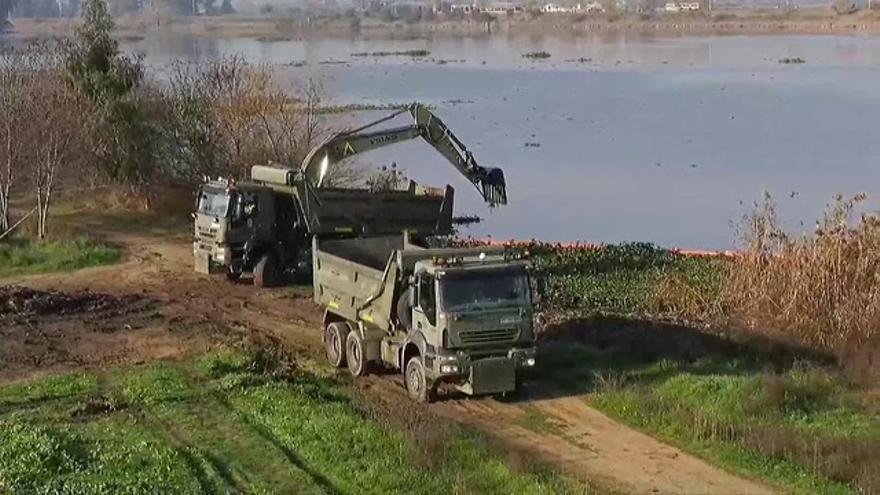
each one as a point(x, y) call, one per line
point(666, 140)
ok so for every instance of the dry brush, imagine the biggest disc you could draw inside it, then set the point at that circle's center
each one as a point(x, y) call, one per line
point(820, 290)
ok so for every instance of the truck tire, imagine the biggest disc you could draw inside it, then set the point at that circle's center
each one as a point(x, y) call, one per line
point(354, 355)
point(334, 343)
point(417, 386)
point(266, 271)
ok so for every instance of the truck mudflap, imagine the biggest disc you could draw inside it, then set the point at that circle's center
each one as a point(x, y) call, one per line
point(490, 376)
point(202, 262)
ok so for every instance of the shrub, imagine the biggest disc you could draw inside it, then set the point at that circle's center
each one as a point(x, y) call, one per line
point(820, 290)
point(537, 55)
point(844, 7)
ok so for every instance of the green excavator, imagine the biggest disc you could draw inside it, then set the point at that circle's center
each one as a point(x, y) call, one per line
point(264, 226)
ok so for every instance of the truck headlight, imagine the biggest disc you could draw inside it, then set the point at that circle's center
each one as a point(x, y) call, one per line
point(448, 368)
point(529, 361)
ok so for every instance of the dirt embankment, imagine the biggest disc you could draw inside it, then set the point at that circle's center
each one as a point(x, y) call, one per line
point(154, 306)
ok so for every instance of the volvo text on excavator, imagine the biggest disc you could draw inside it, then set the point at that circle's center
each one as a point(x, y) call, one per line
point(264, 226)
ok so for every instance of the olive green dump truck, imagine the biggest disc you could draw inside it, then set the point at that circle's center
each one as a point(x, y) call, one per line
point(461, 316)
point(263, 226)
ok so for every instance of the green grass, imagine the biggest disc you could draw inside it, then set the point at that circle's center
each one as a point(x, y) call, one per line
point(52, 387)
point(25, 257)
point(801, 428)
point(751, 408)
point(231, 421)
point(778, 427)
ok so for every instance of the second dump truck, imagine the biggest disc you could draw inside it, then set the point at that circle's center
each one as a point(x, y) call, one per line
point(264, 226)
point(461, 316)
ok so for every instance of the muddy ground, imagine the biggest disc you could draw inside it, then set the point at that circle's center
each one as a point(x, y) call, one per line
point(154, 306)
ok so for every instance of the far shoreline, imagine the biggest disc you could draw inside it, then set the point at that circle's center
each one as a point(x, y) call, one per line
point(720, 23)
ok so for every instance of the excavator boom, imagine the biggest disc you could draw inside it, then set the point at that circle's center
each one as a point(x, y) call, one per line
point(490, 182)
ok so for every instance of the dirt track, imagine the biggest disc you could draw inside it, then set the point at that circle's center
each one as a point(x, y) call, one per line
point(154, 306)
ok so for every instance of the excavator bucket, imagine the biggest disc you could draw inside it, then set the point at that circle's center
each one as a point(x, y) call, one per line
point(494, 187)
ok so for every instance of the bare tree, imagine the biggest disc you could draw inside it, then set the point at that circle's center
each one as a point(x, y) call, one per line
point(229, 115)
point(13, 85)
point(289, 124)
point(61, 130)
point(20, 71)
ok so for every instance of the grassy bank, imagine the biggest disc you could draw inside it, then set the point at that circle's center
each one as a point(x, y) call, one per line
point(24, 257)
point(800, 429)
point(799, 426)
point(232, 421)
point(779, 409)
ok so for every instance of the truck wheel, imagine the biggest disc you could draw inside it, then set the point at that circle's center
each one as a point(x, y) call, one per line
point(265, 273)
point(416, 379)
point(334, 343)
point(354, 355)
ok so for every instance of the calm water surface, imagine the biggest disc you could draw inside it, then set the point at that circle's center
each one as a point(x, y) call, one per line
point(661, 140)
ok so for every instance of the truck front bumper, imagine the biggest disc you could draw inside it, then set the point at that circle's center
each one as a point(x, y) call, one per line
point(210, 259)
point(485, 375)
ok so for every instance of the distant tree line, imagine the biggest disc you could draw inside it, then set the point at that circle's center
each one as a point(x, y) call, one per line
point(79, 114)
point(72, 8)
point(176, 7)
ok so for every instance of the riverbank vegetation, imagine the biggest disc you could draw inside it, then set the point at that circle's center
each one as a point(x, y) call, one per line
point(765, 361)
point(399, 53)
point(80, 114)
point(240, 419)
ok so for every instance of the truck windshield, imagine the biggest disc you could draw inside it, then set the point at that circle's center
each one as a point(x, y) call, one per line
point(468, 291)
point(214, 203)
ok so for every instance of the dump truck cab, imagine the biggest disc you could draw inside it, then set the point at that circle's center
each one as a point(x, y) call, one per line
point(461, 316)
point(213, 218)
point(475, 315)
point(247, 227)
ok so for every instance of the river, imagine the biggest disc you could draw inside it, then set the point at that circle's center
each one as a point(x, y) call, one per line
point(666, 140)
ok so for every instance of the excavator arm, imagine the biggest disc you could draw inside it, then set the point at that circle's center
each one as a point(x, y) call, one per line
point(489, 182)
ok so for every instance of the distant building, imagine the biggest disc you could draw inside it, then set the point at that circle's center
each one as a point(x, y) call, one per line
point(593, 6)
point(682, 6)
point(502, 8)
point(462, 8)
point(555, 8)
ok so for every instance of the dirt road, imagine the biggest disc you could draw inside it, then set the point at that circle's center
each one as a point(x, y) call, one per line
point(155, 306)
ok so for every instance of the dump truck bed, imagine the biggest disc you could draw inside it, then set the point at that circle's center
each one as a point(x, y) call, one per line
point(357, 278)
point(344, 211)
point(360, 279)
